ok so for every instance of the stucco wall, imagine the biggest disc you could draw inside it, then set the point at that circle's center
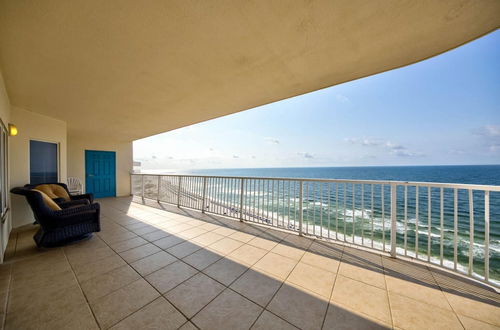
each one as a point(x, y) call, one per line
point(76, 159)
point(5, 117)
point(32, 126)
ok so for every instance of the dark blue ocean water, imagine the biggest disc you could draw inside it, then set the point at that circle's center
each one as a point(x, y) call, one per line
point(472, 174)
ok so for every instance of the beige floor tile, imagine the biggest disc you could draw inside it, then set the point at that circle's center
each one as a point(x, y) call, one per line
point(159, 314)
point(225, 245)
point(139, 252)
point(313, 279)
point(170, 276)
point(303, 309)
point(326, 249)
point(128, 244)
point(247, 254)
point(257, 286)
point(473, 324)
point(188, 326)
point(299, 242)
point(361, 297)
point(486, 310)
point(194, 294)
point(192, 233)
point(225, 270)
point(118, 236)
point(103, 285)
point(37, 309)
point(263, 243)
point(363, 273)
point(155, 235)
point(121, 303)
point(224, 231)
point(341, 318)
point(207, 239)
point(317, 260)
point(87, 271)
point(183, 249)
point(167, 242)
point(149, 264)
point(276, 265)
point(268, 321)
point(288, 251)
point(242, 236)
point(425, 292)
point(412, 314)
point(144, 230)
point(202, 258)
point(86, 256)
point(228, 311)
point(178, 228)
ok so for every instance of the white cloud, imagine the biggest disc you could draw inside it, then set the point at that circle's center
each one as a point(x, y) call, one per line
point(394, 148)
point(236, 156)
point(342, 98)
point(272, 140)
point(305, 155)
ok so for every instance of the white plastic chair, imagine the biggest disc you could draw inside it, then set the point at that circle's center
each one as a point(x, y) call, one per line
point(74, 186)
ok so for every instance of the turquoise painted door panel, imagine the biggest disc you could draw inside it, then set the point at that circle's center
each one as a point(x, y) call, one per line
point(100, 173)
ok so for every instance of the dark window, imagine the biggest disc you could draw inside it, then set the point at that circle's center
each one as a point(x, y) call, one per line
point(43, 162)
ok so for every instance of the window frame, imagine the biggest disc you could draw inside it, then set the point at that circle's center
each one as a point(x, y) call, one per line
point(4, 172)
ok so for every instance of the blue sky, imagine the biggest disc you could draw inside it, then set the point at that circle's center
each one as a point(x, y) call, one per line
point(445, 110)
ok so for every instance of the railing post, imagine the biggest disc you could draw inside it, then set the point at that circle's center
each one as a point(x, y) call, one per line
point(179, 192)
point(204, 195)
point(394, 214)
point(301, 214)
point(241, 198)
point(158, 192)
point(142, 187)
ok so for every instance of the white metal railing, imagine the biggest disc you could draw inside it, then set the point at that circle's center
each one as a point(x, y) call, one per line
point(449, 225)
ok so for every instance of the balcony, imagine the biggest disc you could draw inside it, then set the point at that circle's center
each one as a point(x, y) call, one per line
point(155, 265)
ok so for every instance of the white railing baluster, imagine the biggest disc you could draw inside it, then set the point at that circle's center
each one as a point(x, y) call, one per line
point(405, 233)
point(487, 235)
point(394, 214)
point(142, 187)
point(383, 215)
point(471, 232)
point(353, 212)
point(416, 221)
point(301, 211)
point(363, 214)
point(429, 221)
point(441, 226)
point(455, 229)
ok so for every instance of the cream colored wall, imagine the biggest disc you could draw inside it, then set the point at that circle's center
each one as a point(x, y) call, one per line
point(76, 159)
point(5, 117)
point(32, 126)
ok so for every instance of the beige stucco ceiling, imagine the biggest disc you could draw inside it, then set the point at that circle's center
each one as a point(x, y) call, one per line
point(129, 69)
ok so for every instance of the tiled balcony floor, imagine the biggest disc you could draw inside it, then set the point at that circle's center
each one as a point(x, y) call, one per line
point(154, 269)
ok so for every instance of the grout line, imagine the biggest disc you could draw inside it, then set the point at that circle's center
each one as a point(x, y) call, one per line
point(80, 287)
point(446, 298)
point(333, 287)
point(387, 291)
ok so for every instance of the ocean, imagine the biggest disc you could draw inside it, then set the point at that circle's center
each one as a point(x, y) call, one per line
point(355, 220)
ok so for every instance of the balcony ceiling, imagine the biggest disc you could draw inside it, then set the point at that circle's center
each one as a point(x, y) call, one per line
point(129, 69)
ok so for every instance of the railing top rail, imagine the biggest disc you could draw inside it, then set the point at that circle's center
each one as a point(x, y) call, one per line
point(380, 182)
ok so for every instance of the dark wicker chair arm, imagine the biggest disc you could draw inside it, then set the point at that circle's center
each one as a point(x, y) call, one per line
point(75, 203)
point(77, 210)
point(89, 197)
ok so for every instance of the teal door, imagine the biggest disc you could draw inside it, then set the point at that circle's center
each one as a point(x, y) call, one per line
point(100, 173)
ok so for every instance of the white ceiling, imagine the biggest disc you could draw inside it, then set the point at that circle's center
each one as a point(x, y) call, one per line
point(129, 69)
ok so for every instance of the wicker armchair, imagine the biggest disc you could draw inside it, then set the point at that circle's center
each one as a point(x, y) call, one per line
point(59, 199)
point(68, 222)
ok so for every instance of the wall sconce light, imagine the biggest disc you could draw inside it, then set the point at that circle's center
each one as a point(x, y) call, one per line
point(12, 130)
